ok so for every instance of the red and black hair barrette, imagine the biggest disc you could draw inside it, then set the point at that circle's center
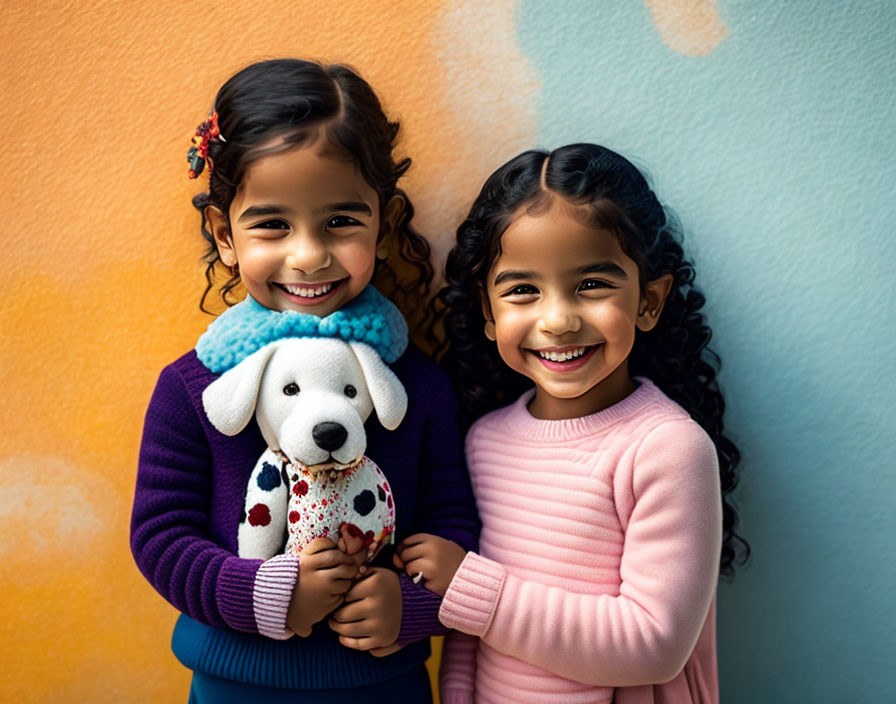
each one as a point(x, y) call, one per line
point(206, 133)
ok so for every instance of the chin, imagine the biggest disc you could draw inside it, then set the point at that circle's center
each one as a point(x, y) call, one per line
point(568, 394)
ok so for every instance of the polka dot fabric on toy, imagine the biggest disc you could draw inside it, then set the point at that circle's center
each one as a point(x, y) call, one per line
point(358, 498)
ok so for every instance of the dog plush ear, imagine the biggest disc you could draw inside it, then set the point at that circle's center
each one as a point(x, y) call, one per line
point(229, 401)
point(389, 397)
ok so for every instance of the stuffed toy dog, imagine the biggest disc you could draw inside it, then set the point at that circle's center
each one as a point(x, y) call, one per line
point(310, 397)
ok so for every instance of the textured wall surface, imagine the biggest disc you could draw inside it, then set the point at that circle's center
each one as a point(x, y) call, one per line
point(776, 149)
point(767, 126)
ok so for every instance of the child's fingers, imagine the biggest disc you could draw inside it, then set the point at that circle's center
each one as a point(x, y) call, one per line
point(350, 544)
point(363, 586)
point(359, 557)
point(415, 567)
point(302, 632)
point(383, 652)
point(364, 643)
point(352, 629)
point(357, 560)
point(350, 611)
point(337, 596)
point(413, 540)
point(397, 561)
point(415, 552)
point(317, 546)
point(328, 559)
point(340, 573)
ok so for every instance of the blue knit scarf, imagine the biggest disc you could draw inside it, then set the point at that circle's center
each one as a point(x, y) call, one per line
point(248, 326)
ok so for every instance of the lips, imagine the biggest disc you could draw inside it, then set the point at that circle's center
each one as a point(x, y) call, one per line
point(310, 294)
point(562, 356)
point(566, 359)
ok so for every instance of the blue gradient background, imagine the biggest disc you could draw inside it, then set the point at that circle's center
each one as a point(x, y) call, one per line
point(777, 152)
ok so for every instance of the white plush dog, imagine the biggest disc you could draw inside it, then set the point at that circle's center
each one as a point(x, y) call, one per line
point(310, 397)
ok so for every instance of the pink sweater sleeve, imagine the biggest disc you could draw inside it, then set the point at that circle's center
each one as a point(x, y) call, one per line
point(670, 506)
point(458, 670)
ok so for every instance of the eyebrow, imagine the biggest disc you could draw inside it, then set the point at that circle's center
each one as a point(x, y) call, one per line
point(254, 211)
point(353, 206)
point(609, 268)
point(514, 275)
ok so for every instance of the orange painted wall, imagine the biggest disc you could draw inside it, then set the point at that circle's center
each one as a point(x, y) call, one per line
point(101, 276)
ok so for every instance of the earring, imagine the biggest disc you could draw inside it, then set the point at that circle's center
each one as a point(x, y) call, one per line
point(382, 252)
point(490, 330)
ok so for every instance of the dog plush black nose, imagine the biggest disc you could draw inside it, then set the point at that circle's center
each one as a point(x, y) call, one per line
point(329, 436)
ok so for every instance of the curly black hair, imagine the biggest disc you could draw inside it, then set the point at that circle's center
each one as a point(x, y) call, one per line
point(674, 354)
point(291, 98)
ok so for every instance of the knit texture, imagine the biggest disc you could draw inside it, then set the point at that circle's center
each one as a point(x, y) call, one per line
point(191, 485)
point(598, 559)
point(248, 326)
point(274, 585)
point(421, 611)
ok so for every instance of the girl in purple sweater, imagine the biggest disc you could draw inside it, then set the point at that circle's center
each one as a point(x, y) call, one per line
point(603, 489)
point(304, 211)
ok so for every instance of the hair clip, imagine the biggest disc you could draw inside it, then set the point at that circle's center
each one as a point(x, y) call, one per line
point(207, 132)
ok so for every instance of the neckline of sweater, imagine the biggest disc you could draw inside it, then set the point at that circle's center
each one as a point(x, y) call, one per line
point(524, 425)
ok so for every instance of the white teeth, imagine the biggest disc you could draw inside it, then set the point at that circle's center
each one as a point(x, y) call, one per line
point(563, 356)
point(308, 292)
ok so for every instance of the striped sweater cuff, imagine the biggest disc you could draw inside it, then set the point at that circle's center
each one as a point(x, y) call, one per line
point(273, 590)
point(456, 696)
point(470, 602)
point(419, 612)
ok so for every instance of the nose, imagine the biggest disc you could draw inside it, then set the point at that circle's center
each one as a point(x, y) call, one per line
point(307, 253)
point(558, 317)
point(329, 436)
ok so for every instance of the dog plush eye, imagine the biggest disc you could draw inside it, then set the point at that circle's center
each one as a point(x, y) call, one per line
point(291, 389)
point(350, 391)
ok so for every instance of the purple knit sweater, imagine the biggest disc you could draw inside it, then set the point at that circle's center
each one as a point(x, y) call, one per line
point(191, 485)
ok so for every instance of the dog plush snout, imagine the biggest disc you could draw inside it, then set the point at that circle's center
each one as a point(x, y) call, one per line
point(329, 436)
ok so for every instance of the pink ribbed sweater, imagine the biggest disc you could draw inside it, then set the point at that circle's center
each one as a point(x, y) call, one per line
point(599, 559)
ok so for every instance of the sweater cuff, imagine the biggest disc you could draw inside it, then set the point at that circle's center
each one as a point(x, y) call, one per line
point(419, 612)
point(456, 696)
point(274, 586)
point(236, 583)
point(472, 596)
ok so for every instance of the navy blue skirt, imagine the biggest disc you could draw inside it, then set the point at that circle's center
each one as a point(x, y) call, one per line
point(409, 688)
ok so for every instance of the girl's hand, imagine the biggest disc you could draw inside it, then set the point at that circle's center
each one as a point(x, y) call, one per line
point(371, 617)
point(435, 558)
point(325, 576)
point(353, 545)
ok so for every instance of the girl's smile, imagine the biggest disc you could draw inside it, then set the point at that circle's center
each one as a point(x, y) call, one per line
point(565, 359)
point(565, 301)
point(307, 294)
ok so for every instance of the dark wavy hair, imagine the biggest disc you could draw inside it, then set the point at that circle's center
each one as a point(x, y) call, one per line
point(674, 355)
point(292, 98)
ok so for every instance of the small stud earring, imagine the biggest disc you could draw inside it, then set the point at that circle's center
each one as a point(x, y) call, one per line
point(382, 252)
point(490, 330)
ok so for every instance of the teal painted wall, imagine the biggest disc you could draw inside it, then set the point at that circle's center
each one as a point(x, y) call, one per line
point(777, 151)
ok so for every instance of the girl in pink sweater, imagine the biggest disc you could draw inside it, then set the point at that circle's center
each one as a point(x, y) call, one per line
point(602, 491)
